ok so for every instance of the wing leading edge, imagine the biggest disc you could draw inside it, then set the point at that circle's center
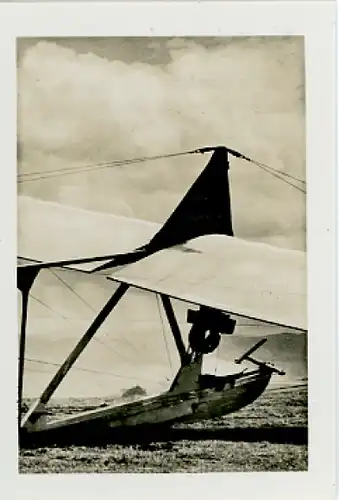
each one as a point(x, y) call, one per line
point(51, 232)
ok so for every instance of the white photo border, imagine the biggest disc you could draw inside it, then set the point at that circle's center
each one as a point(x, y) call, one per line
point(316, 22)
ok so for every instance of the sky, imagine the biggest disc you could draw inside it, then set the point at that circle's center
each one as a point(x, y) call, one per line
point(86, 101)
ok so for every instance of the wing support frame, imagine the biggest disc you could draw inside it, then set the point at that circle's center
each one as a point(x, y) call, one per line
point(168, 308)
point(25, 279)
point(34, 412)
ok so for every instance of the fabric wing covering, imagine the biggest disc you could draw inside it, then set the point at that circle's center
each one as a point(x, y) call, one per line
point(248, 279)
point(49, 232)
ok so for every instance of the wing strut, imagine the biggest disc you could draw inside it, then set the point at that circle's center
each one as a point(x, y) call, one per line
point(166, 302)
point(73, 356)
point(25, 280)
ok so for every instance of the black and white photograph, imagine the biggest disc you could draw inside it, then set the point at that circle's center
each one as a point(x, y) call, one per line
point(167, 248)
point(162, 246)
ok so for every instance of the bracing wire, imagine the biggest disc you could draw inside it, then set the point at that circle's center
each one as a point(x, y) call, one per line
point(277, 174)
point(40, 175)
point(35, 370)
point(70, 169)
point(63, 173)
point(164, 334)
point(83, 369)
point(94, 338)
point(87, 304)
point(71, 322)
point(99, 341)
point(217, 360)
point(48, 307)
point(280, 172)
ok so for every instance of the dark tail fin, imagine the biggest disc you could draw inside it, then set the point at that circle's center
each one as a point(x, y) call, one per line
point(205, 209)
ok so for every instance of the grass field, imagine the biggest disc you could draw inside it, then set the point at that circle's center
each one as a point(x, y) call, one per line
point(269, 435)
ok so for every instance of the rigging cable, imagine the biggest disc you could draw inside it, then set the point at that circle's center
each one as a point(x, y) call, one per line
point(49, 308)
point(163, 332)
point(90, 370)
point(277, 174)
point(98, 340)
point(40, 175)
point(95, 312)
point(285, 174)
point(71, 322)
point(217, 359)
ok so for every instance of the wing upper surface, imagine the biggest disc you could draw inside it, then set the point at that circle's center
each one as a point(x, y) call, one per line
point(249, 279)
point(50, 232)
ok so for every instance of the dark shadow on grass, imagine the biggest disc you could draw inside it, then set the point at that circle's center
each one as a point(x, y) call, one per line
point(91, 436)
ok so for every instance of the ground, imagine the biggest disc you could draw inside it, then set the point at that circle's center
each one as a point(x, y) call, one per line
point(269, 435)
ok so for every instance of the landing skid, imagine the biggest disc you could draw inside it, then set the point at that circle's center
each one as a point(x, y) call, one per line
point(165, 409)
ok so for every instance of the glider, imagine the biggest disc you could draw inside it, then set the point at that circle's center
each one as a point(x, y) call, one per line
point(193, 257)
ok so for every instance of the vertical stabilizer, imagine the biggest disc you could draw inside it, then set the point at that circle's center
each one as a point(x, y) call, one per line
point(205, 209)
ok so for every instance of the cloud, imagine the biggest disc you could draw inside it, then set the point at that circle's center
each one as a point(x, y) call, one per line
point(83, 108)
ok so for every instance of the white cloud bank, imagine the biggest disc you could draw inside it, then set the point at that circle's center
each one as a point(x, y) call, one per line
point(82, 108)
